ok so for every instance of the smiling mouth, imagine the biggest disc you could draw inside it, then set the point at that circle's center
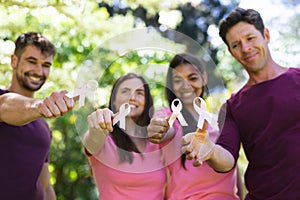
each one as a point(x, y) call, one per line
point(187, 94)
point(133, 106)
point(35, 77)
point(249, 57)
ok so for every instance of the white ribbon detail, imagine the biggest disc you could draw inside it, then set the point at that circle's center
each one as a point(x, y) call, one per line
point(89, 87)
point(123, 112)
point(201, 110)
point(176, 113)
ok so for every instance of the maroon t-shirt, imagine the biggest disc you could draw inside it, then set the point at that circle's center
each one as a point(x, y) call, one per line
point(23, 151)
point(265, 118)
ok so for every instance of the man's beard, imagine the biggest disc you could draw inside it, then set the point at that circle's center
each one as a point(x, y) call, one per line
point(22, 81)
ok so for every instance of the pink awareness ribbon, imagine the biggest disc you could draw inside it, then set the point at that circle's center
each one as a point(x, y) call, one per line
point(201, 110)
point(89, 87)
point(123, 112)
point(176, 113)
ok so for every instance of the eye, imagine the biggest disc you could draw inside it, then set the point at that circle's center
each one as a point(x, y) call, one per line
point(177, 80)
point(125, 92)
point(233, 46)
point(194, 78)
point(31, 61)
point(46, 65)
point(141, 93)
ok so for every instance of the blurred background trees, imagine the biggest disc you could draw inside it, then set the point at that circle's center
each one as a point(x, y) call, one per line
point(82, 29)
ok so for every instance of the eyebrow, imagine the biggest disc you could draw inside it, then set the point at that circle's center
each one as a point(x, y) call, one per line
point(138, 89)
point(193, 74)
point(178, 75)
point(246, 36)
point(34, 58)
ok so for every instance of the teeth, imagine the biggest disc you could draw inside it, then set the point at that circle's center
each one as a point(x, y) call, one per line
point(35, 78)
point(187, 94)
point(132, 106)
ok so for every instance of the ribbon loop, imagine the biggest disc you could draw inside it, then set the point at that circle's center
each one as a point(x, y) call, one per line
point(201, 110)
point(89, 87)
point(176, 113)
point(123, 112)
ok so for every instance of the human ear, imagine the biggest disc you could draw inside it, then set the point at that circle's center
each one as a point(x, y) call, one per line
point(13, 60)
point(267, 35)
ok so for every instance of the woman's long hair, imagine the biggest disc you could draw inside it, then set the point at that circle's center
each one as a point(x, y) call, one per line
point(177, 60)
point(121, 139)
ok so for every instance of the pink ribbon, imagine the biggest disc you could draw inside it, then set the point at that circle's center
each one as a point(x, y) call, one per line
point(123, 112)
point(89, 87)
point(176, 113)
point(201, 110)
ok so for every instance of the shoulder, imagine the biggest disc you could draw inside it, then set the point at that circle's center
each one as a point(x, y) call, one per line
point(2, 91)
point(293, 70)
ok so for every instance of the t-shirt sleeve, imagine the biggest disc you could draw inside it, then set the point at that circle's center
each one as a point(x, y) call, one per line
point(229, 137)
point(47, 160)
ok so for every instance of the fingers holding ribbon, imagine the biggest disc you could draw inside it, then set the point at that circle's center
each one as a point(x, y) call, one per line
point(106, 119)
point(101, 118)
point(190, 146)
point(198, 144)
point(56, 105)
point(157, 125)
point(157, 129)
point(197, 149)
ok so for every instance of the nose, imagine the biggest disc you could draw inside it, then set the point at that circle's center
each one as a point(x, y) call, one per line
point(39, 69)
point(185, 84)
point(246, 46)
point(132, 96)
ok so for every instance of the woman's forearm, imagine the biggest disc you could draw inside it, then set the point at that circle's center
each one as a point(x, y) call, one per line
point(94, 139)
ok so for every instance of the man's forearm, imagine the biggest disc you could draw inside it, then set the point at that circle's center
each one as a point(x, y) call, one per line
point(18, 110)
point(49, 193)
point(221, 159)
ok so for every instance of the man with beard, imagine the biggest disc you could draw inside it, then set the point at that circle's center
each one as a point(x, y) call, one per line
point(24, 135)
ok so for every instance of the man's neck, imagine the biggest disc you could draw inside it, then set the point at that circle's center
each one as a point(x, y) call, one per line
point(267, 74)
point(20, 91)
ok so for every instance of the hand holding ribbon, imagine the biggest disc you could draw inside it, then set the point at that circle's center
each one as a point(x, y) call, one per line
point(198, 145)
point(89, 87)
point(176, 113)
point(123, 112)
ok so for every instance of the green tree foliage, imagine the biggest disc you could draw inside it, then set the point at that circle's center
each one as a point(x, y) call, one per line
point(194, 20)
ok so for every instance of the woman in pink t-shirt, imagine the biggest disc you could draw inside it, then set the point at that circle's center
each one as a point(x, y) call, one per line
point(186, 80)
point(125, 164)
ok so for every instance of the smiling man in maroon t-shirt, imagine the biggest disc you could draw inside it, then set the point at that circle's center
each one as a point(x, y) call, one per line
point(24, 136)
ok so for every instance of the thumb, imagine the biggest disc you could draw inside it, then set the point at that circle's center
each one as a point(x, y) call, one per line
point(76, 98)
point(65, 92)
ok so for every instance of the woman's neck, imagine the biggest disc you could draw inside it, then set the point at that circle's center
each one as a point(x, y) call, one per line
point(191, 110)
